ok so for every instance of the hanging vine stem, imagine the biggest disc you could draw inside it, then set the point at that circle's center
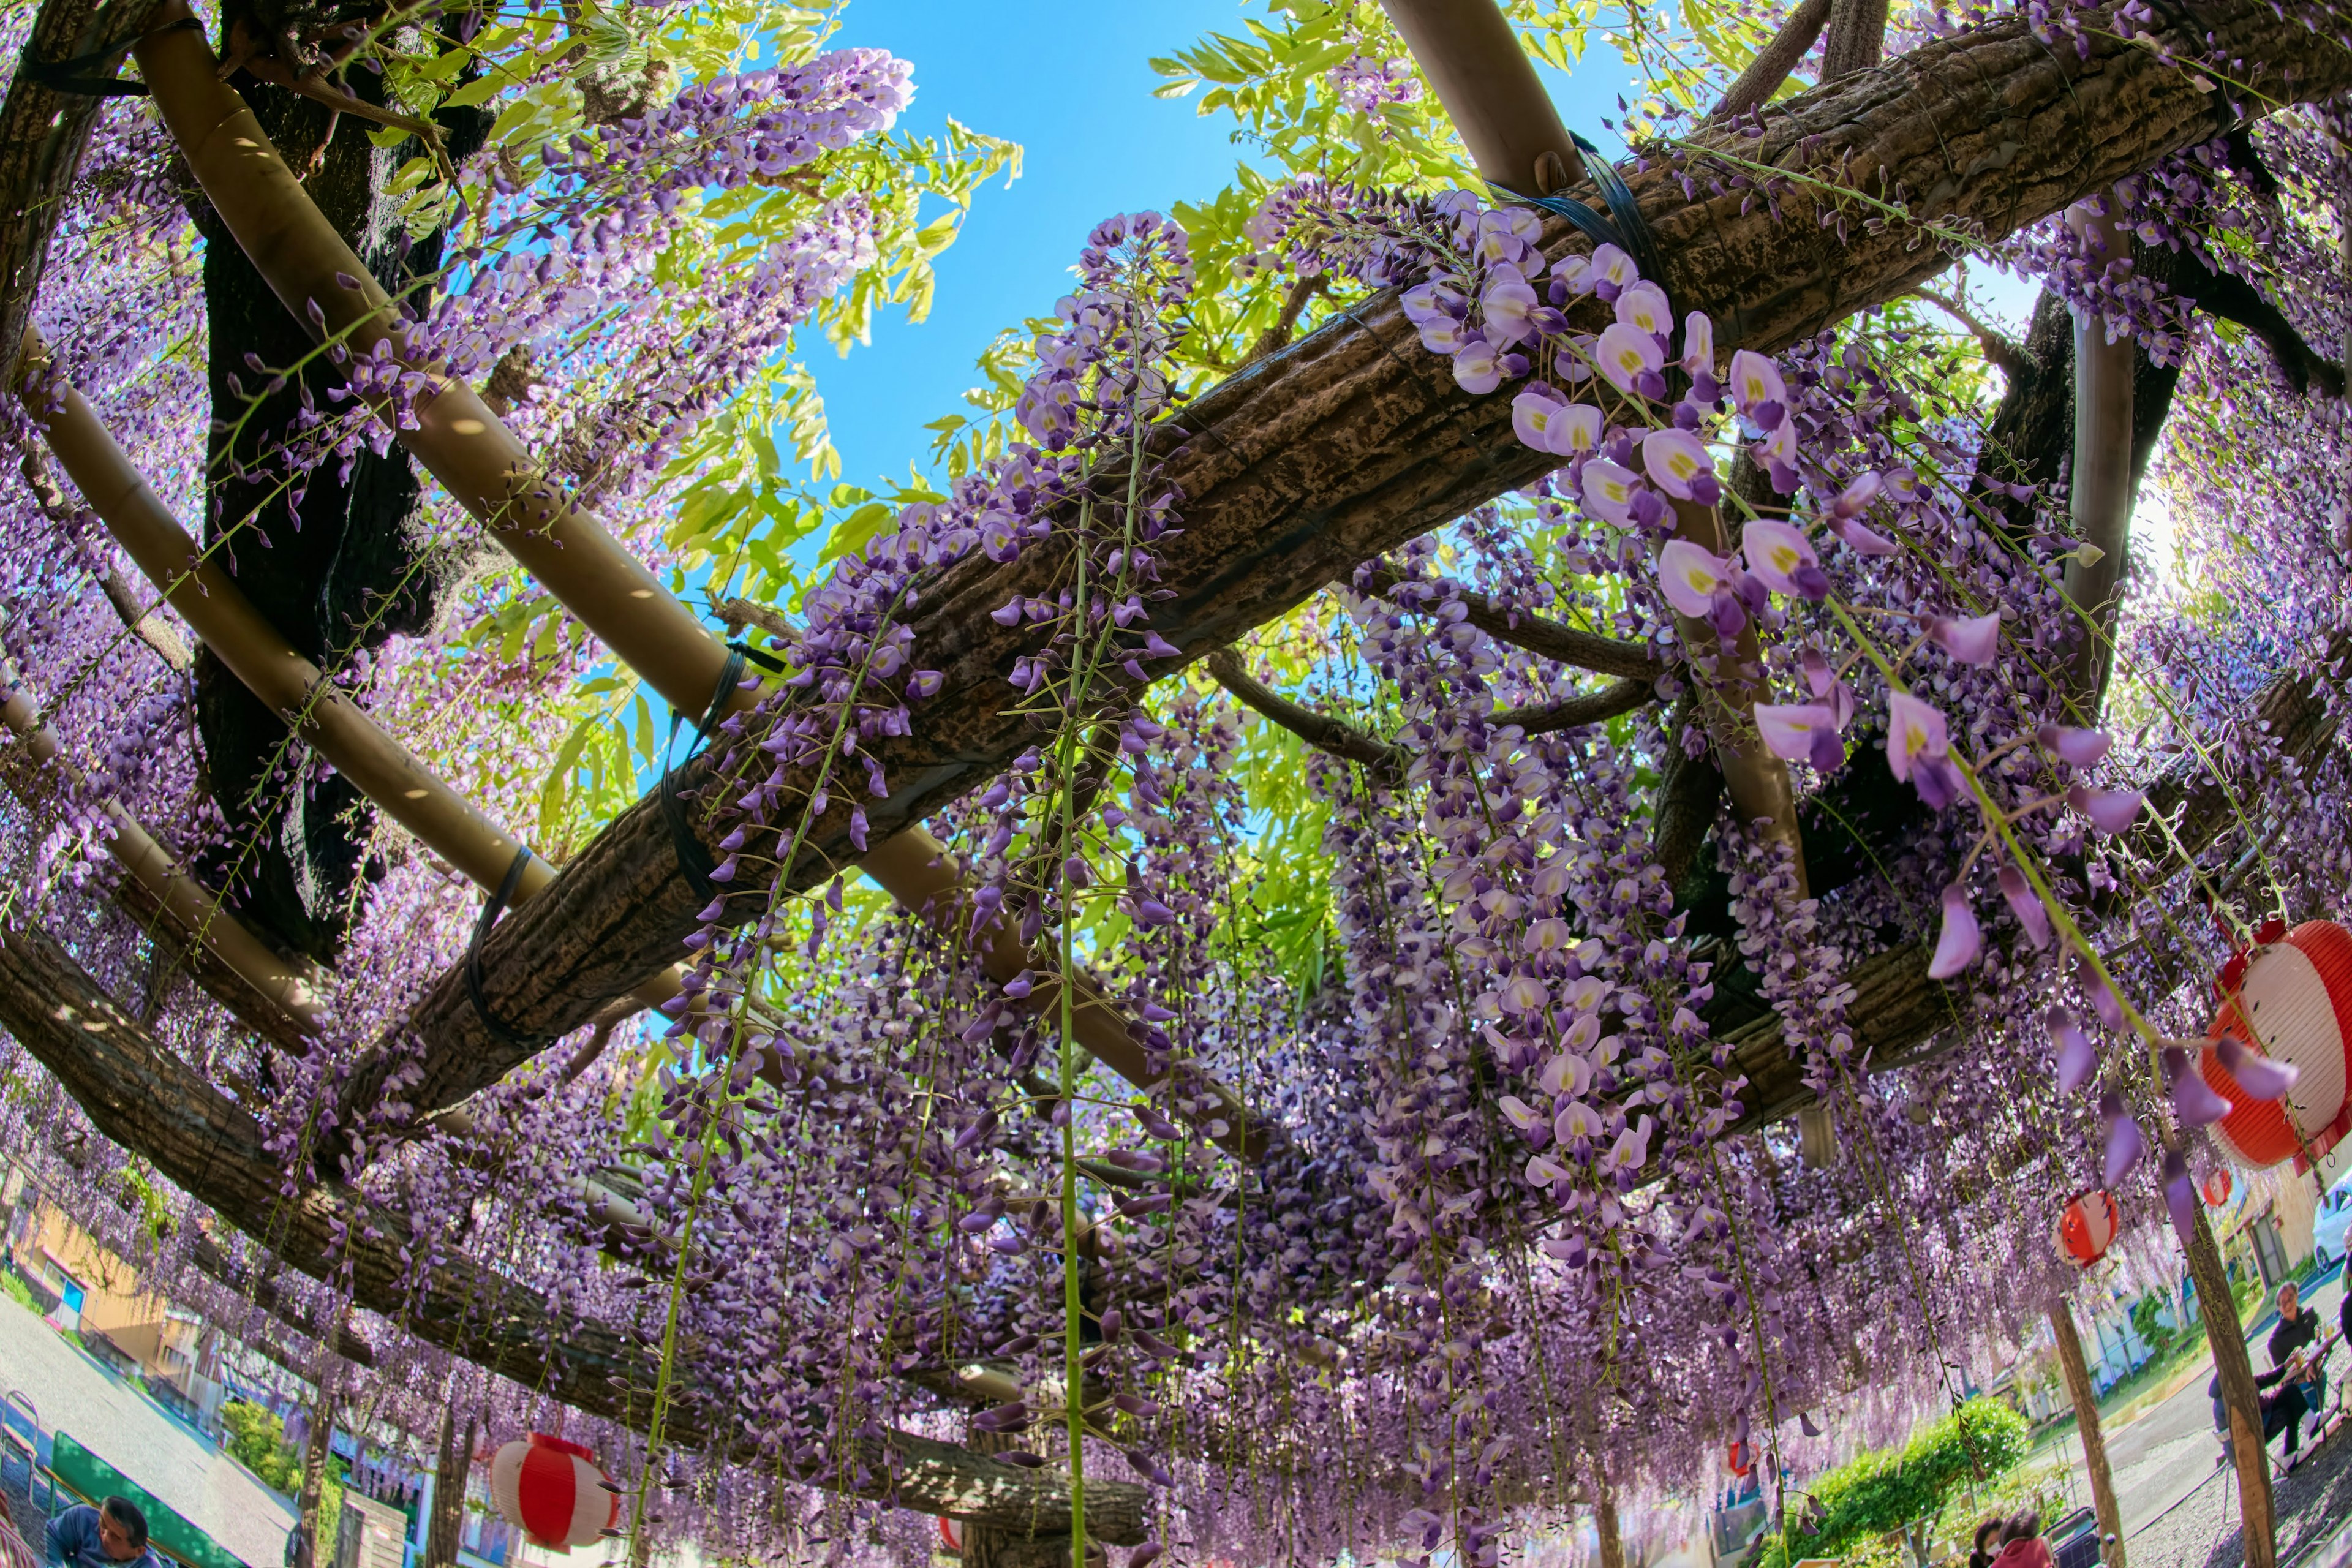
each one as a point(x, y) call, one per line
point(728, 1097)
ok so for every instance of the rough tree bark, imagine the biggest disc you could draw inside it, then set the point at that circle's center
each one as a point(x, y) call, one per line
point(142, 1097)
point(335, 566)
point(316, 1541)
point(2238, 1395)
point(42, 134)
point(1355, 439)
point(2086, 1423)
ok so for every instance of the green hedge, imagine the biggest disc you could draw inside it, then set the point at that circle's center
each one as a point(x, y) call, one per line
point(1878, 1492)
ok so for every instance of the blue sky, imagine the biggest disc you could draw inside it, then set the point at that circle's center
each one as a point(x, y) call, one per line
point(1073, 86)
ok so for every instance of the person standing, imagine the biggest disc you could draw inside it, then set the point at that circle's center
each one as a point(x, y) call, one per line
point(110, 1535)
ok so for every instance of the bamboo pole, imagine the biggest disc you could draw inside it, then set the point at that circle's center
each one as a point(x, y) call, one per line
point(460, 441)
point(290, 685)
point(1490, 91)
point(2100, 500)
point(196, 908)
point(464, 445)
point(2086, 1422)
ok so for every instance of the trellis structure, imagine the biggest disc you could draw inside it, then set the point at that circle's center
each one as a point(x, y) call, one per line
point(1323, 454)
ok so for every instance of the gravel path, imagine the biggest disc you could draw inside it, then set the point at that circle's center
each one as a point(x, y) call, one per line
point(119, 1424)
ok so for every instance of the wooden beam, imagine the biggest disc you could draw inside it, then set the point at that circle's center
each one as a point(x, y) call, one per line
point(208, 598)
point(144, 1098)
point(1491, 93)
point(466, 444)
point(275, 996)
point(1354, 440)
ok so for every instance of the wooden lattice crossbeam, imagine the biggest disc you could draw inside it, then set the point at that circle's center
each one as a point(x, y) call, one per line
point(1354, 440)
point(142, 1096)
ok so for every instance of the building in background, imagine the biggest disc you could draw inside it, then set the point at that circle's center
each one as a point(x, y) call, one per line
point(85, 1290)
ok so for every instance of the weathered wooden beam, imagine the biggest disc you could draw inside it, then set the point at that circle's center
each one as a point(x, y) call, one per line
point(142, 1096)
point(467, 445)
point(1355, 438)
point(1896, 1009)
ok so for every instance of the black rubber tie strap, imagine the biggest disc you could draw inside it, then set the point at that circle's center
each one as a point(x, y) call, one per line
point(693, 860)
point(1639, 239)
point(491, 908)
point(77, 74)
point(1625, 227)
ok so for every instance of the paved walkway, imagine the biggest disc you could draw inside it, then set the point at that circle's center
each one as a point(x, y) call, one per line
point(77, 1395)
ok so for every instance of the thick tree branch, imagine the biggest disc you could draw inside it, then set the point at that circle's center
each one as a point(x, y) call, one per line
point(1756, 85)
point(1549, 638)
point(1999, 348)
point(1354, 439)
point(2233, 298)
point(145, 1099)
point(1584, 707)
point(1319, 731)
point(1857, 37)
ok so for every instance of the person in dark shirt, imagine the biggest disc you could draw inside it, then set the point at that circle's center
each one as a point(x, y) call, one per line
point(111, 1535)
point(2298, 1329)
point(2282, 1407)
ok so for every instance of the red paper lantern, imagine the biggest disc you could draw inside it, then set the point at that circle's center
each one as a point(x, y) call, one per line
point(1738, 1461)
point(552, 1492)
point(2219, 1183)
point(2086, 1228)
point(2291, 1003)
point(951, 1534)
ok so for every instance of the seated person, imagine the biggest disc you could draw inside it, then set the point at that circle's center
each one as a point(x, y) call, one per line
point(2021, 1545)
point(2298, 1329)
point(2282, 1407)
point(111, 1535)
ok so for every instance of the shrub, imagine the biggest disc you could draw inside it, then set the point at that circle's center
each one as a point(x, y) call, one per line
point(1879, 1493)
point(257, 1440)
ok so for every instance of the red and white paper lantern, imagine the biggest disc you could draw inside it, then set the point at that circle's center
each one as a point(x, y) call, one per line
point(2218, 1184)
point(2293, 1004)
point(2086, 1228)
point(951, 1535)
point(552, 1492)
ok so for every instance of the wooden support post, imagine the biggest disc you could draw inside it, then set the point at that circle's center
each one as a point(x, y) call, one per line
point(2238, 1395)
point(2100, 500)
point(452, 1465)
point(2086, 1422)
point(315, 1544)
point(1604, 1519)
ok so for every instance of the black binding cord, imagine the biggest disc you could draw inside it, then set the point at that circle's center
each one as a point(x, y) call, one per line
point(78, 74)
point(693, 860)
point(491, 908)
point(1624, 227)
